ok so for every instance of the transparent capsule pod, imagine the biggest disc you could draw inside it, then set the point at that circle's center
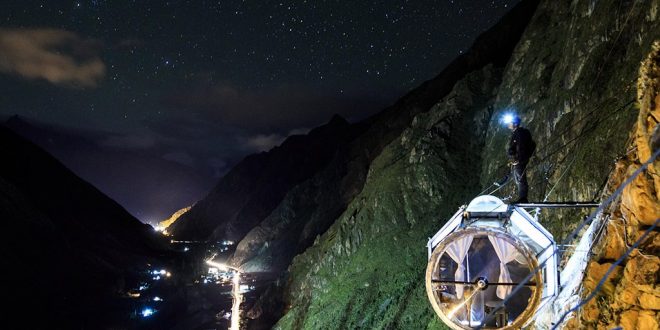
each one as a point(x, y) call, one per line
point(477, 259)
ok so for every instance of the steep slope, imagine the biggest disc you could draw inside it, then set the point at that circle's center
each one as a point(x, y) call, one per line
point(255, 186)
point(140, 179)
point(360, 273)
point(310, 208)
point(572, 79)
point(570, 76)
point(631, 296)
point(165, 224)
point(66, 245)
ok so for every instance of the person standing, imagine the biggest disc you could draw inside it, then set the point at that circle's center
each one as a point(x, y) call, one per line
point(521, 148)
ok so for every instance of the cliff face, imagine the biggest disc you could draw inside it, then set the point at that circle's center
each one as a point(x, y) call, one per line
point(571, 77)
point(172, 219)
point(140, 180)
point(631, 297)
point(361, 272)
point(66, 245)
point(255, 186)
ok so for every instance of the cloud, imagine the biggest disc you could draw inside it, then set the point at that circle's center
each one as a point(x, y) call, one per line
point(57, 56)
point(299, 131)
point(263, 142)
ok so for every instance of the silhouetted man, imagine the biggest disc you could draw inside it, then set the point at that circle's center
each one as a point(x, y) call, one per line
point(521, 148)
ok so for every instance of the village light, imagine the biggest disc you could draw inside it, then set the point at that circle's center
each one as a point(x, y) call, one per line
point(147, 312)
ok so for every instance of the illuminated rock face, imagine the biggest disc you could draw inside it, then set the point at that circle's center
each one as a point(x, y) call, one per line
point(172, 219)
point(631, 297)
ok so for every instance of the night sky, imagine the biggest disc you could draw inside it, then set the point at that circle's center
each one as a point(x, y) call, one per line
point(153, 101)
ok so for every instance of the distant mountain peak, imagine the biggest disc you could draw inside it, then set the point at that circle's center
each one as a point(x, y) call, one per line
point(337, 120)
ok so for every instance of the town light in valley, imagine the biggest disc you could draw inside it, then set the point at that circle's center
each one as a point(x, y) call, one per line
point(236, 292)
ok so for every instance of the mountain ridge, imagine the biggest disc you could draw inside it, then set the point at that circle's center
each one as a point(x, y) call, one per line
point(71, 247)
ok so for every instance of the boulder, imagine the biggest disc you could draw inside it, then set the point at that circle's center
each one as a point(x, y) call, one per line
point(614, 245)
point(596, 271)
point(625, 296)
point(642, 270)
point(647, 320)
point(628, 320)
point(591, 312)
point(639, 203)
point(650, 300)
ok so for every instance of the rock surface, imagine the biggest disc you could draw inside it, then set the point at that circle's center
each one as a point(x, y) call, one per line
point(632, 301)
point(255, 186)
point(172, 219)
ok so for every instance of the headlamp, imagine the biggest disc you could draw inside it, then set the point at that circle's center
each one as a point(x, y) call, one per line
point(507, 118)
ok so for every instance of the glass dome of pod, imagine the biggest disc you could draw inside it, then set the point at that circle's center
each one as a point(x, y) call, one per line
point(477, 259)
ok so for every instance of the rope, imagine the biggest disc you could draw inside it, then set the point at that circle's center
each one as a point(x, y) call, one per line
point(487, 188)
point(585, 131)
point(500, 187)
point(538, 160)
point(545, 199)
point(582, 134)
point(573, 235)
point(590, 218)
point(607, 274)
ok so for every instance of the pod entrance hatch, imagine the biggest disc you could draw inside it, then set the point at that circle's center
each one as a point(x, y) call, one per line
point(473, 270)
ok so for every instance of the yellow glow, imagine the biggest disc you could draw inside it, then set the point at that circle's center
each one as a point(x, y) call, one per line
point(220, 266)
point(236, 292)
point(235, 309)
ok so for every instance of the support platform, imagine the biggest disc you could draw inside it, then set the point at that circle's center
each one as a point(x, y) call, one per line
point(557, 205)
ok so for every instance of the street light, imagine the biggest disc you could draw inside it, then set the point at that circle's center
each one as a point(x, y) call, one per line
point(220, 266)
point(236, 292)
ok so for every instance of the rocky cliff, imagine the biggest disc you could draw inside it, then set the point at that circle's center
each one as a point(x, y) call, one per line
point(572, 77)
point(630, 297)
point(255, 186)
point(165, 224)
